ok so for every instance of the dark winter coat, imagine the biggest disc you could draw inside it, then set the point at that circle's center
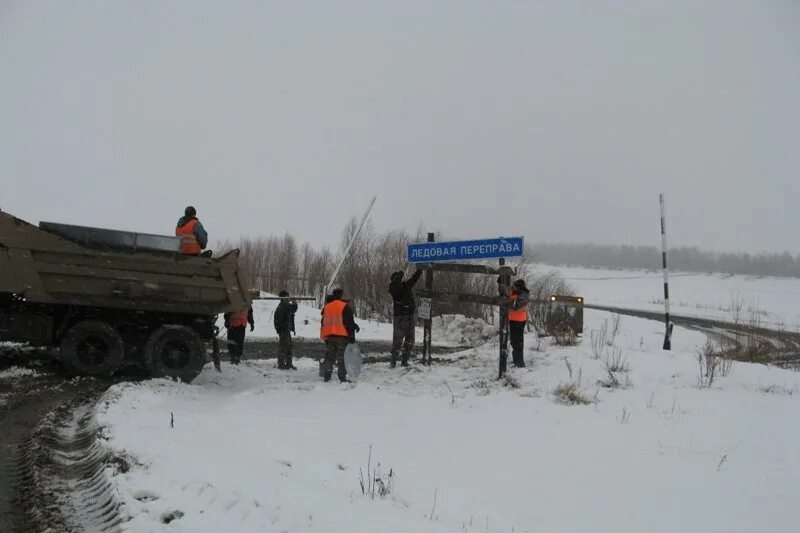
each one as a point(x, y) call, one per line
point(402, 292)
point(284, 316)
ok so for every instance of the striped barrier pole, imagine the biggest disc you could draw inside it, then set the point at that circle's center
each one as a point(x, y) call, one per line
point(667, 324)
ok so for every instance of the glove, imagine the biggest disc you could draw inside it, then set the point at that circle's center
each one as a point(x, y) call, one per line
point(355, 327)
point(294, 332)
point(252, 327)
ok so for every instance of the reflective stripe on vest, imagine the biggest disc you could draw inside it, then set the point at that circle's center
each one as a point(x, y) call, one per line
point(239, 320)
point(189, 244)
point(333, 320)
point(517, 315)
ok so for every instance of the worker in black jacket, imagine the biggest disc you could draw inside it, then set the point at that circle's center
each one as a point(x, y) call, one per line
point(284, 327)
point(404, 307)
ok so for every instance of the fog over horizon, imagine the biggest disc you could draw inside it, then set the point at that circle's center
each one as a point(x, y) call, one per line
point(559, 121)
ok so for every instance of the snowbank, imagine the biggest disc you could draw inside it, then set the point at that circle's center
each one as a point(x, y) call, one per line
point(256, 449)
point(458, 330)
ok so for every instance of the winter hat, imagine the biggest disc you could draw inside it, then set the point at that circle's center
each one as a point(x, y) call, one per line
point(520, 284)
point(397, 275)
point(283, 294)
point(337, 293)
point(190, 211)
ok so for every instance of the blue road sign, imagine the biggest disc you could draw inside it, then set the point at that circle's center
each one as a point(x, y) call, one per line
point(430, 252)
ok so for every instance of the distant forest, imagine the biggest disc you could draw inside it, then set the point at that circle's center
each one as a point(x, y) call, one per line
point(690, 259)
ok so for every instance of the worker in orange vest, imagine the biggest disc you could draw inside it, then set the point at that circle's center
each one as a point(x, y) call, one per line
point(517, 318)
point(338, 329)
point(236, 324)
point(192, 233)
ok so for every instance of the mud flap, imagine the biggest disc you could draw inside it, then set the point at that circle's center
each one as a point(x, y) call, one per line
point(215, 354)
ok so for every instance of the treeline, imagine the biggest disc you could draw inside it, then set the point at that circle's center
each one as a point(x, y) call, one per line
point(274, 263)
point(689, 259)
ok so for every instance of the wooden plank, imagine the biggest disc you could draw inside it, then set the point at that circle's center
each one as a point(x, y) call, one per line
point(462, 297)
point(467, 269)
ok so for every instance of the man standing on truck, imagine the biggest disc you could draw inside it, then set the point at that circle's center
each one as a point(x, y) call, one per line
point(236, 323)
point(194, 238)
point(404, 307)
point(338, 330)
point(284, 327)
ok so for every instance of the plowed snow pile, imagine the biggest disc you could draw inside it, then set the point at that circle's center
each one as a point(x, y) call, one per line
point(459, 330)
point(258, 449)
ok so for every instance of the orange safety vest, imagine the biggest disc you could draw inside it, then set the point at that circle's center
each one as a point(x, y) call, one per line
point(517, 315)
point(333, 320)
point(239, 320)
point(189, 244)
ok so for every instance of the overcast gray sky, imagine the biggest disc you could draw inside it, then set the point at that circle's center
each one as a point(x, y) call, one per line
point(556, 120)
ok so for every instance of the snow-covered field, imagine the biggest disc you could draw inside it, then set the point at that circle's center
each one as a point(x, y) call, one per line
point(256, 449)
point(701, 295)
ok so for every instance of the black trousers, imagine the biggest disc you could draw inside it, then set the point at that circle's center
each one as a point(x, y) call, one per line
point(236, 343)
point(284, 350)
point(517, 336)
point(334, 353)
point(402, 337)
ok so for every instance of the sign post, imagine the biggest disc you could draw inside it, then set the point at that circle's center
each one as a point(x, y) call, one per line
point(427, 323)
point(503, 281)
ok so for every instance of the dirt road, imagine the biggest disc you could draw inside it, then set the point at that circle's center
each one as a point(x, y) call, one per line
point(785, 345)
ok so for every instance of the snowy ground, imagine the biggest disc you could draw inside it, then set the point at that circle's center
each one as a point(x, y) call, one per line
point(700, 295)
point(256, 449)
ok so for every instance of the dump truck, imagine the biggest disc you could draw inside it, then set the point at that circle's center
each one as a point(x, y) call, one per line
point(107, 298)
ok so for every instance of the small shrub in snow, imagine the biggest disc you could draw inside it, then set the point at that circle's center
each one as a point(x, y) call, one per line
point(563, 335)
point(598, 339)
point(712, 363)
point(375, 481)
point(480, 384)
point(778, 389)
point(615, 325)
point(615, 361)
point(570, 394)
point(510, 382)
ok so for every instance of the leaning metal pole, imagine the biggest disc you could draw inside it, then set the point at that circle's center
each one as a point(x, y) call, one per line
point(347, 250)
point(667, 325)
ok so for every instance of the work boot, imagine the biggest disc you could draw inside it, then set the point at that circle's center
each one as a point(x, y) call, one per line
point(394, 362)
point(404, 363)
point(292, 367)
point(327, 377)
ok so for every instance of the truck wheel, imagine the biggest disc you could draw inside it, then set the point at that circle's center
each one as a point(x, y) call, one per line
point(175, 352)
point(92, 348)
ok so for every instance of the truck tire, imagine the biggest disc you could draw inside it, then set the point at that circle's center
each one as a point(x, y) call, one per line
point(175, 352)
point(92, 348)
